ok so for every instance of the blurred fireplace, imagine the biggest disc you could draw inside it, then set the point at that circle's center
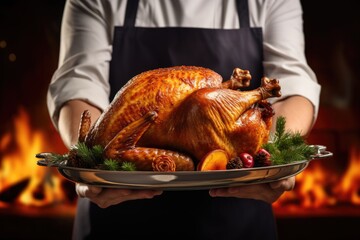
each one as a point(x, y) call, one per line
point(35, 202)
point(325, 203)
point(38, 202)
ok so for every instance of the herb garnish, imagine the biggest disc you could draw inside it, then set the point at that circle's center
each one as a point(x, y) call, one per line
point(286, 147)
point(80, 155)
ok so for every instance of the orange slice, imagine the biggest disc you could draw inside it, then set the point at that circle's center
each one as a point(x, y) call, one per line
point(214, 160)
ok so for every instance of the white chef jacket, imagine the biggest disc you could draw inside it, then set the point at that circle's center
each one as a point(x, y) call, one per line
point(87, 35)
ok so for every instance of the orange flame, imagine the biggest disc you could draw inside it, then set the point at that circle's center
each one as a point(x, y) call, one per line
point(349, 186)
point(319, 187)
point(20, 164)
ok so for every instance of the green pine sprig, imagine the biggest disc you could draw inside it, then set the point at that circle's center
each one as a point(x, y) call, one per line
point(81, 155)
point(56, 159)
point(286, 147)
point(113, 165)
point(97, 153)
point(110, 164)
point(128, 166)
point(89, 156)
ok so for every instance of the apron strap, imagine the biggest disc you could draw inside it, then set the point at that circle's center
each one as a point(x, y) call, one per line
point(241, 5)
point(243, 13)
point(130, 14)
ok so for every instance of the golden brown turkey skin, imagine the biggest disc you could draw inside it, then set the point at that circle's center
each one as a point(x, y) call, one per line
point(175, 116)
point(212, 119)
point(159, 90)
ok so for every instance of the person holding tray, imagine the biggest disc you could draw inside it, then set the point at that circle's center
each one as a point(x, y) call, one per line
point(104, 41)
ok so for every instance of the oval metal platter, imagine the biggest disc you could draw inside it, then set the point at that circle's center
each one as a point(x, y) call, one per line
point(183, 180)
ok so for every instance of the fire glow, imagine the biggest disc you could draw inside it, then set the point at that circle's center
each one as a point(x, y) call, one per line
point(18, 164)
point(316, 187)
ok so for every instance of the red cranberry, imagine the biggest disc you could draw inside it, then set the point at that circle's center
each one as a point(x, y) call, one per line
point(247, 160)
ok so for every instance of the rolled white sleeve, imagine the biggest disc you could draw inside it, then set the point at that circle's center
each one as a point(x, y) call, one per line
point(86, 81)
point(284, 50)
point(85, 53)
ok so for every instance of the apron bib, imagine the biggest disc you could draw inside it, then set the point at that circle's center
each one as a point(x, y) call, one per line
point(137, 49)
point(181, 214)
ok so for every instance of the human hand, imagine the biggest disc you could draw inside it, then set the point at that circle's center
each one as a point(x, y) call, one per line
point(268, 192)
point(105, 197)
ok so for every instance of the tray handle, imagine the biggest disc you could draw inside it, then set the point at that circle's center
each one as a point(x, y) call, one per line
point(46, 160)
point(321, 152)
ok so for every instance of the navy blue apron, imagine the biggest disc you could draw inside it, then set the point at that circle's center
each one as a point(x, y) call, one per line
point(181, 214)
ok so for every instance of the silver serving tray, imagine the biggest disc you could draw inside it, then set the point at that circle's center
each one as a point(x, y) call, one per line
point(182, 180)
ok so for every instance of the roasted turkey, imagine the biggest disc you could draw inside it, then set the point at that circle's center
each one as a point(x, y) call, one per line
point(168, 119)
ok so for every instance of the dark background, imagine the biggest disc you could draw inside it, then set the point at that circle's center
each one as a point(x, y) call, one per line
point(29, 45)
point(31, 30)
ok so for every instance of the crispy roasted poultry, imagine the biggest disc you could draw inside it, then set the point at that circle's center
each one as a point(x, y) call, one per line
point(169, 119)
